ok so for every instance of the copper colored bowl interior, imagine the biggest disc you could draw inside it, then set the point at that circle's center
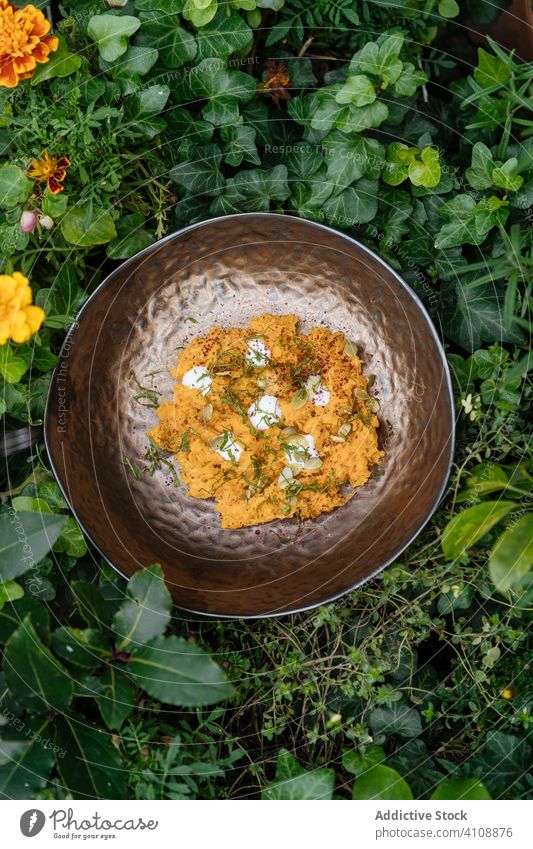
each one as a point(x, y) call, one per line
point(224, 272)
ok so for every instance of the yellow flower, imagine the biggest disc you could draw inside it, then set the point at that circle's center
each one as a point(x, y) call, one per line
point(24, 41)
point(19, 320)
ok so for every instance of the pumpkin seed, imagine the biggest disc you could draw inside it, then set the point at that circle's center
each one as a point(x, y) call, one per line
point(289, 431)
point(222, 373)
point(295, 470)
point(337, 438)
point(371, 379)
point(312, 463)
point(299, 399)
point(350, 348)
point(207, 413)
point(374, 405)
point(286, 477)
point(299, 440)
point(360, 394)
point(218, 441)
point(261, 383)
point(344, 430)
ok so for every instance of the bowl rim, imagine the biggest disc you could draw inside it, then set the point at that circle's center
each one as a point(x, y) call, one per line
point(408, 289)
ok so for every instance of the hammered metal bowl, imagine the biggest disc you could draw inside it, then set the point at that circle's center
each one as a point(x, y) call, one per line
point(224, 272)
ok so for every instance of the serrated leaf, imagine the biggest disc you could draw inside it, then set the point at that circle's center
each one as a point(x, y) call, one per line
point(145, 613)
point(92, 767)
point(25, 538)
point(178, 673)
point(34, 676)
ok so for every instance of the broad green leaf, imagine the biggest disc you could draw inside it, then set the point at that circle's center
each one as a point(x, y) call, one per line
point(459, 227)
point(136, 62)
point(409, 80)
point(118, 699)
point(483, 479)
point(448, 8)
point(460, 788)
point(490, 69)
point(358, 89)
point(11, 616)
point(71, 539)
point(84, 647)
point(381, 782)
point(350, 158)
point(131, 238)
point(178, 673)
point(503, 760)
point(504, 176)
point(357, 763)
point(175, 45)
point(356, 205)
point(26, 758)
point(10, 591)
point(426, 171)
point(111, 33)
point(15, 187)
point(12, 368)
point(356, 119)
point(240, 145)
point(34, 676)
point(223, 36)
point(92, 767)
point(472, 315)
point(293, 782)
point(60, 64)
point(211, 79)
point(396, 719)
point(479, 175)
point(200, 12)
point(512, 556)
point(145, 613)
point(203, 175)
point(27, 504)
point(12, 239)
point(25, 538)
point(54, 205)
point(469, 526)
point(76, 229)
point(91, 604)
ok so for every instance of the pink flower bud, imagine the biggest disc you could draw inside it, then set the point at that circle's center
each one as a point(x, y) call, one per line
point(28, 220)
point(46, 222)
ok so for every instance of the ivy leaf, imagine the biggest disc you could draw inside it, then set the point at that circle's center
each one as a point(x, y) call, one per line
point(409, 80)
point(211, 79)
point(489, 212)
point(10, 591)
point(240, 145)
point(512, 556)
point(397, 719)
point(460, 788)
point(26, 759)
point(357, 763)
point(479, 175)
point(175, 45)
point(490, 69)
point(141, 109)
point(502, 761)
point(25, 539)
point(178, 673)
point(355, 119)
point(504, 176)
point(358, 89)
point(469, 526)
point(381, 782)
point(34, 676)
point(380, 58)
point(12, 368)
point(111, 33)
point(355, 205)
point(224, 36)
point(118, 699)
point(71, 539)
point(200, 12)
point(80, 228)
point(203, 175)
point(293, 782)
point(459, 227)
point(426, 171)
point(62, 63)
point(82, 647)
point(131, 237)
point(15, 187)
point(145, 613)
point(350, 158)
point(92, 767)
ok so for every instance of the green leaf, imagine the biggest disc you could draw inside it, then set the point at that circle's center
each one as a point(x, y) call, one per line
point(293, 782)
point(224, 36)
point(63, 299)
point(355, 205)
point(240, 145)
point(145, 613)
point(351, 157)
point(381, 782)
point(34, 676)
point(355, 119)
point(178, 673)
point(82, 647)
point(60, 64)
point(357, 763)
point(396, 719)
point(469, 526)
point(131, 238)
point(26, 758)
point(11, 616)
point(12, 239)
point(479, 175)
point(10, 591)
point(141, 111)
point(118, 700)
point(358, 89)
point(426, 171)
point(12, 368)
point(165, 33)
point(460, 788)
point(503, 760)
point(111, 33)
point(15, 187)
point(504, 176)
point(200, 12)
point(203, 175)
point(512, 556)
point(459, 227)
point(91, 604)
point(448, 8)
point(409, 80)
point(92, 767)
point(71, 539)
point(25, 538)
point(76, 229)
point(54, 205)
point(490, 70)
point(484, 478)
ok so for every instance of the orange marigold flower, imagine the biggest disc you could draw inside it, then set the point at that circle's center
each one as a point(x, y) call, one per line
point(52, 169)
point(19, 319)
point(24, 41)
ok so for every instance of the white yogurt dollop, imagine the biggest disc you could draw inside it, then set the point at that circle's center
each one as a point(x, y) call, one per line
point(198, 378)
point(318, 393)
point(230, 448)
point(258, 354)
point(264, 412)
point(297, 454)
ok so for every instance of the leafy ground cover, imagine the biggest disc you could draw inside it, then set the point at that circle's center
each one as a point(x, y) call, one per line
point(159, 113)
